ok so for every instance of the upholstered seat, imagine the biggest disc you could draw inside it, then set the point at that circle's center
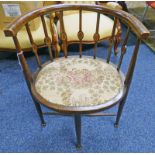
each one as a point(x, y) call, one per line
point(79, 82)
point(71, 23)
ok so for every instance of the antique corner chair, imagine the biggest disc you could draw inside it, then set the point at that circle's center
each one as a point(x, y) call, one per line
point(78, 85)
point(71, 23)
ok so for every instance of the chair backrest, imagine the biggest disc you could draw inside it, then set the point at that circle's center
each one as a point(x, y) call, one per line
point(132, 24)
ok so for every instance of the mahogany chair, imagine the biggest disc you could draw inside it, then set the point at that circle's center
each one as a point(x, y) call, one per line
point(78, 85)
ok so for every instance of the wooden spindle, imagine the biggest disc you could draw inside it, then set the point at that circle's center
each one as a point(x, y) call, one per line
point(63, 34)
point(47, 39)
point(111, 40)
point(123, 49)
point(96, 35)
point(44, 25)
point(34, 46)
point(80, 33)
point(54, 35)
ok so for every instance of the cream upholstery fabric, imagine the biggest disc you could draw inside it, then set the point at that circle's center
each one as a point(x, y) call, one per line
point(78, 82)
point(38, 36)
point(89, 19)
point(78, 2)
point(113, 5)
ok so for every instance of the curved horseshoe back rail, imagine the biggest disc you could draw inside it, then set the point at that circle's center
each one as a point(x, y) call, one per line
point(136, 26)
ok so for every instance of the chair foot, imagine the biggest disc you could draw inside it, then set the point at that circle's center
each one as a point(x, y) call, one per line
point(43, 124)
point(78, 146)
point(115, 125)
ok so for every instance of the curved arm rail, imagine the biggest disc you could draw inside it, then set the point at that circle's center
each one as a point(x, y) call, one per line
point(136, 26)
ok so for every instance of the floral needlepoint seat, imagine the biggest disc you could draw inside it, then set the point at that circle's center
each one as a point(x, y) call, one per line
point(79, 82)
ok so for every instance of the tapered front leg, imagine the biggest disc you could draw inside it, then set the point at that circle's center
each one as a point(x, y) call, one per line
point(38, 107)
point(77, 119)
point(119, 113)
point(128, 80)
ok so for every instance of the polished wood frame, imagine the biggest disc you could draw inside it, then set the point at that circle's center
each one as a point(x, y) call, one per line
point(133, 25)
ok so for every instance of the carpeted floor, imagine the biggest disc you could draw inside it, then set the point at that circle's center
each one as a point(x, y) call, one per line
point(20, 129)
point(137, 9)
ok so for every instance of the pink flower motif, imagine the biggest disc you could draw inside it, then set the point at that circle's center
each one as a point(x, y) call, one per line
point(80, 77)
